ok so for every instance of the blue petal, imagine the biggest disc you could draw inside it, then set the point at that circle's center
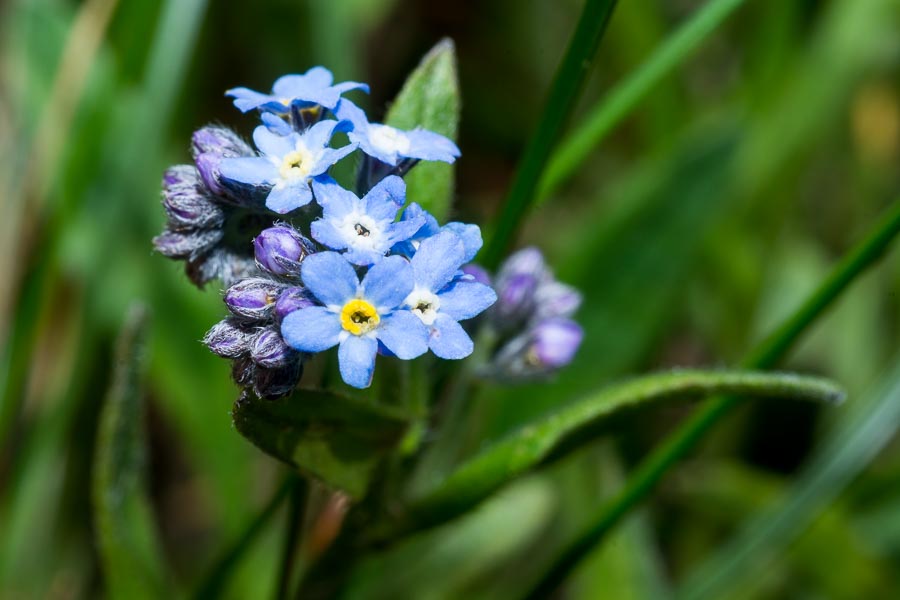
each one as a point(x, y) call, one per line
point(403, 230)
point(449, 340)
point(348, 111)
point(362, 138)
point(428, 145)
point(327, 234)
point(437, 260)
point(470, 236)
point(363, 258)
point(346, 86)
point(466, 299)
point(386, 198)
point(311, 329)
point(284, 199)
point(275, 124)
point(332, 197)
point(388, 283)
point(404, 334)
point(319, 135)
point(356, 356)
point(253, 170)
point(329, 157)
point(316, 77)
point(329, 278)
point(246, 99)
point(272, 144)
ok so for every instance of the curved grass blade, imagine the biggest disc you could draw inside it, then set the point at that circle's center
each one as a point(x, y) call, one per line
point(430, 98)
point(572, 151)
point(535, 444)
point(129, 550)
point(564, 93)
point(677, 445)
point(852, 444)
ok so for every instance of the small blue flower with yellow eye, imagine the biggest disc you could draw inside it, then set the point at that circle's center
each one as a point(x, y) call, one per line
point(307, 91)
point(364, 227)
point(288, 164)
point(356, 315)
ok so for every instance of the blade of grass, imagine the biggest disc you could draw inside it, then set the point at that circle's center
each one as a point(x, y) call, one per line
point(572, 151)
point(772, 349)
point(564, 93)
point(852, 444)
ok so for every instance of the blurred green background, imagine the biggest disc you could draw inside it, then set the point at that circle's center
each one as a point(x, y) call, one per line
point(694, 228)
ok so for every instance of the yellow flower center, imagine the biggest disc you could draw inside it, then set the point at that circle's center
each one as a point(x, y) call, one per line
point(359, 317)
point(296, 164)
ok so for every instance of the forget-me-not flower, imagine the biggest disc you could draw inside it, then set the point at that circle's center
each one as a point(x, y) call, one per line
point(389, 144)
point(364, 227)
point(355, 315)
point(288, 165)
point(311, 89)
point(469, 235)
point(441, 298)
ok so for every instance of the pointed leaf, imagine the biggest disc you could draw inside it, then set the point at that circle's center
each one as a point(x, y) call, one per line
point(333, 438)
point(430, 98)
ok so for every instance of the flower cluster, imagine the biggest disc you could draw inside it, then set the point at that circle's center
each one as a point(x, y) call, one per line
point(532, 317)
point(370, 277)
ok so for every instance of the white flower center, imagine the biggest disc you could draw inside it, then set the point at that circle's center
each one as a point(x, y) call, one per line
point(388, 140)
point(297, 164)
point(424, 304)
point(362, 231)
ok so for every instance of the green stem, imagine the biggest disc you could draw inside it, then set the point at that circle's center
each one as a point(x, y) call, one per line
point(677, 445)
point(296, 508)
point(212, 584)
point(572, 151)
point(566, 88)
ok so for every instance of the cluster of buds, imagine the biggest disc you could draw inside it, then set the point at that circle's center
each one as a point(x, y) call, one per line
point(208, 219)
point(251, 335)
point(532, 318)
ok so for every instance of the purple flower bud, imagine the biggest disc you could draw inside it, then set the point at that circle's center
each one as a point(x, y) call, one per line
point(220, 263)
point(280, 249)
point(253, 298)
point(515, 299)
point(209, 146)
point(228, 339)
point(554, 299)
point(186, 245)
point(271, 384)
point(186, 202)
point(555, 342)
point(477, 273)
point(243, 370)
point(291, 299)
point(269, 349)
point(180, 176)
point(528, 261)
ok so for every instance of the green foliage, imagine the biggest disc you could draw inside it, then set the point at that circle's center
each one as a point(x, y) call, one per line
point(129, 550)
point(430, 99)
point(326, 435)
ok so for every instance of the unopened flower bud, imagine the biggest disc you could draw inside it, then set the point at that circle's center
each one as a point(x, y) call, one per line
point(280, 249)
point(477, 273)
point(269, 349)
point(186, 202)
point(189, 245)
point(253, 298)
point(555, 342)
point(228, 339)
point(243, 371)
point(271, 384)
point(290, 300)
point(553, 299)
point(210, 145)
point(515, 299)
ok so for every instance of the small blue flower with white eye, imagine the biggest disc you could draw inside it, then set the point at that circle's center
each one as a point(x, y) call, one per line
point(307, 91)
point(389, 144)
point(288, 164)
point(364, 227)
point(470, 235)
point(441, 298)
point(355, 315)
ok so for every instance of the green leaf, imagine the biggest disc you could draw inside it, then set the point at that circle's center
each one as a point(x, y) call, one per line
point(430, 99)
point(128, 547)
point(331, 437)
point(851, 445)
point(561, 431)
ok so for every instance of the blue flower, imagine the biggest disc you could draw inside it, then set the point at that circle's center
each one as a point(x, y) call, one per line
point(287, 165)
point(469, 235)
point(389, 144)
point(364, 227)
point(355, 315)
point(441, 297)
point(302, 91)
